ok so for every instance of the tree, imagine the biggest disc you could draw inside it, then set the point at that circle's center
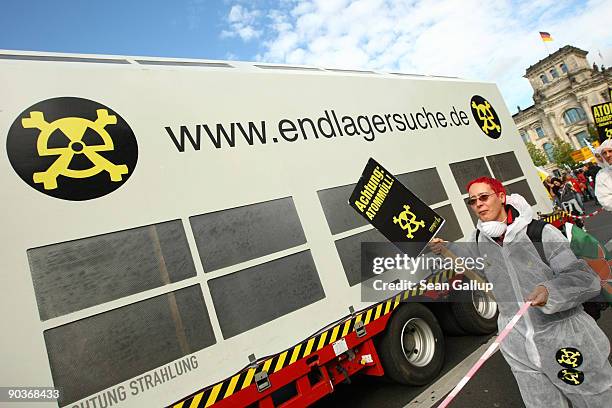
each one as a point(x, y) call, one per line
point(593, 134)
point(561, 152)
point(537, 155)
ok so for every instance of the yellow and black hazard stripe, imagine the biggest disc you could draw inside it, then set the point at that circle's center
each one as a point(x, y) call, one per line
point(240, 381)
point(555, 216)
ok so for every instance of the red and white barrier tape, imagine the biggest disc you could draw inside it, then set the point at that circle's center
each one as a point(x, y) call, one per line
point(490, 351)
point(582, 217)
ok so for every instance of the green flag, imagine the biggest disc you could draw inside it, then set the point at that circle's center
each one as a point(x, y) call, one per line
point(587, 247)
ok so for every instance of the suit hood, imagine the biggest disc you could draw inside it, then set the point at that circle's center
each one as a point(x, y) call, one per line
point(607, 144)
point(525, 216)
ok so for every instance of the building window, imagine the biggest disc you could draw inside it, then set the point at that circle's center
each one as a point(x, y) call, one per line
point(582, 138)
point(548, 149)
point(573, 115)
point(554, 73)
point(525, 137)
point(563, 67)
point(544, 78)
point(540, 132)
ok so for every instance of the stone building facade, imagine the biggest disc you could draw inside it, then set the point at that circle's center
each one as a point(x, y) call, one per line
point(564, 86)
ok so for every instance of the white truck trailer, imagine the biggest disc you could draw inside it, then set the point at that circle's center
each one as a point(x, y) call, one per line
point(177, 233)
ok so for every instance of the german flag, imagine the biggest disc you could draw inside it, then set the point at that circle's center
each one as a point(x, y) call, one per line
point(545, 36)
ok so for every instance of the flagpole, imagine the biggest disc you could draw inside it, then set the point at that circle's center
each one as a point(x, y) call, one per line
point(546, 37)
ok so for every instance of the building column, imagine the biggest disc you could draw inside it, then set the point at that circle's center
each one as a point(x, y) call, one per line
point(552, 124)
point(587, 109)
point(549, 130)
point(559, 131)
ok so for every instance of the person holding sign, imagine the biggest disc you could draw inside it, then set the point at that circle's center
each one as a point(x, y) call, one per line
point(556, 352)
point(603, 180)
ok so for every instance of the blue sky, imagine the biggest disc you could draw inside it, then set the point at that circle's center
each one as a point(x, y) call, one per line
point(168, 28)
point(491, 41)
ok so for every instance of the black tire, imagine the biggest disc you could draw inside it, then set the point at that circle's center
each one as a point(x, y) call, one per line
point(468, 317)
point(446, 318)
point(427, 362)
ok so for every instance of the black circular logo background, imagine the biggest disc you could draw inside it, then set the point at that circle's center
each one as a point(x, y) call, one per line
point(491, 125)
point(571, 377)
point(575, 353)
point(21, 146)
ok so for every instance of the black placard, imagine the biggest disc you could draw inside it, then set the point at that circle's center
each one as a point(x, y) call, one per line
point(602, 115)
point(393, 209)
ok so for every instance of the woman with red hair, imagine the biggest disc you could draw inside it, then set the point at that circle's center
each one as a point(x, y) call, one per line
point(557, 352)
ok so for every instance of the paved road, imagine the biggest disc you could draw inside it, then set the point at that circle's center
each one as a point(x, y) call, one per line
point(600, 225)
point(493, 386)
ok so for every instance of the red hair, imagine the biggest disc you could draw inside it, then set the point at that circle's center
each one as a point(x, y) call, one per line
point(495, 184)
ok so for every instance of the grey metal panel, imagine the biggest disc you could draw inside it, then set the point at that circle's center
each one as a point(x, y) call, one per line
point(425, 184)
point(98, 352)
point(74, 275)
point(257, 295)
point(408, 75)
point(522, 188)
point(451, 230)
point(355, 71)
point(349, 249)
point(239, 234)
point(186, 63)
point(287, 67)
point(339, 214)
point(467, 170)
point(61, 59)
point(505, 166)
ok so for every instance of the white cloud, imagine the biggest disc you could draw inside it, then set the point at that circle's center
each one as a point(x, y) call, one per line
point(242, 23)
point(492, 41)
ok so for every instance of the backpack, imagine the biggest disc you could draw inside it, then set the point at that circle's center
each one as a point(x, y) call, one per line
point(585, 247)
point(567, 193)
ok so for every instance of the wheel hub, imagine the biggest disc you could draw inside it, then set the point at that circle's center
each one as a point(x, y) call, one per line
point(484, 304)
point(418, 342)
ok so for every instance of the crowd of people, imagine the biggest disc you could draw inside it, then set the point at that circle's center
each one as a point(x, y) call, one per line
point(571, 190)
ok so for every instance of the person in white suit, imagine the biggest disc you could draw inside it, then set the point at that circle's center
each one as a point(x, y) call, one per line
point(603, 181)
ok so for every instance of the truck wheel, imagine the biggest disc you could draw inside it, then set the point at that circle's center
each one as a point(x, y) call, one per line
point(446, 318)
point(412, 347)
point(475, 311)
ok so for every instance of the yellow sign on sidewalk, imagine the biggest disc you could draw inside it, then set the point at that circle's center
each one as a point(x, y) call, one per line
point(584, 153)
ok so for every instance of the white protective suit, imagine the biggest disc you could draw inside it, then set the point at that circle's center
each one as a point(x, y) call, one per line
point(603, 180)
point(556, 352)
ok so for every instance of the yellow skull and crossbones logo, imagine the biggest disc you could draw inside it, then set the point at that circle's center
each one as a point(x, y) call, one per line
point(74, 128)
point(571, 377)
point(569, 358)
point(486, 117)
point(406, 219)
